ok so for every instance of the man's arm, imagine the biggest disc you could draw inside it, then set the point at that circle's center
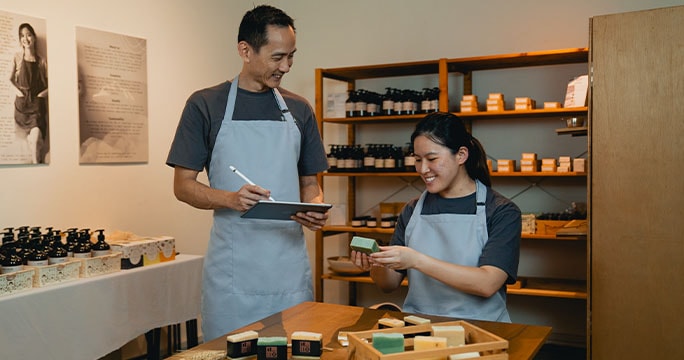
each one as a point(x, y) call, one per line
point(188, 190)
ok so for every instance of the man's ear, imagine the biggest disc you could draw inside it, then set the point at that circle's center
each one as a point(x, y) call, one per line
point(244, 50)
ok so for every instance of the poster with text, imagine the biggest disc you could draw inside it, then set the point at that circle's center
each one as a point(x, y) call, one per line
point(112, 86)
point(24, 120)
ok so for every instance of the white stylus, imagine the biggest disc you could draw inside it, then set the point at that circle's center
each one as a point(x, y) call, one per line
point(246, 179)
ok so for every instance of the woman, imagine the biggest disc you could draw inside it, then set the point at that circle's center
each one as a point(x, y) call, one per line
point(459, 242)
point(29, 76)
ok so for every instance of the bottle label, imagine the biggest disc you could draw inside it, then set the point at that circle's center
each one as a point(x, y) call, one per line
point(407, 106)
point(434, 105)
point(410, 161)
point(348, 107)
point(390, 163)
point(340, 163)
point(57, 260)
point(360, 106)
point(332, 162)
point(349, 163)
point(11, 269)
point(388, 105)
point(397, 106)
point(379, 163)
point(37, 263)
point(368, 161)
point(372, 108)
point(425, 105)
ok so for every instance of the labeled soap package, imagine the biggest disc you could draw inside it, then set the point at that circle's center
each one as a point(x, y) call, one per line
point(139, 251)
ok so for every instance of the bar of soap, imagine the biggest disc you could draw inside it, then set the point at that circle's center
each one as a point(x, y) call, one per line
point(388, 343)
point(364, 245)
point(384, 323)
point(455, 334)
point(415, 320)
point(429, 342)
point(272, 348)
point(307, 344)
point(468, 355)
point(242, 344)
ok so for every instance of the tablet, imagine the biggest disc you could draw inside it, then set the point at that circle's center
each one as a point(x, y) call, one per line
point(281, 210)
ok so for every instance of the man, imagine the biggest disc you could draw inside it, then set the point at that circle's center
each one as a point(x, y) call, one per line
point(253, 268)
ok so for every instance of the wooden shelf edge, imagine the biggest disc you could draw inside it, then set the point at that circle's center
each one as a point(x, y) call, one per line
point(555, 288)
point(537, 174)
point(337, 229)
point(359, 173)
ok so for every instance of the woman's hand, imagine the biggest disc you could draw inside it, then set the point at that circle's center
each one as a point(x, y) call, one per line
point(361, 260)
point(395, 257)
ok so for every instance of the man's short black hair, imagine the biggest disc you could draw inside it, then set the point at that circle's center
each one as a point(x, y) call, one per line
point(254, 23)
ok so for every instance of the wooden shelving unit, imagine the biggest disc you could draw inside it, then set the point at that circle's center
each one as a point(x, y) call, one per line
point(441, 68)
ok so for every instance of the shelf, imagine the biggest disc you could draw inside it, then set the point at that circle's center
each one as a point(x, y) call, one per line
point(379, 173)
point(552, 237)
point(555, 288)
point(470, 115)
point(532, 58)
point(537, 174)
point(336, 229)
point(523, 113)
point(576, 131)
point(352, 73)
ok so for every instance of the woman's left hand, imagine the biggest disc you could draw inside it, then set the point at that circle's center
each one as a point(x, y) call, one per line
point(396, 257)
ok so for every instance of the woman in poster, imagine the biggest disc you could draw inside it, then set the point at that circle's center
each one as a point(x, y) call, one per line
point(29, 76)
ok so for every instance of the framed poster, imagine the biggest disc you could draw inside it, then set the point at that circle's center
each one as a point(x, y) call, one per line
point(112, 86)
point(24, 117)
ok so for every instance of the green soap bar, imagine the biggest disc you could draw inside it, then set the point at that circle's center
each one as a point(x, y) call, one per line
point(364, 245)
point(272, 341)
point(388, 343)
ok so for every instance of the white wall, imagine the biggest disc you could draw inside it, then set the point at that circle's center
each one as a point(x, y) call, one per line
point(191, 44)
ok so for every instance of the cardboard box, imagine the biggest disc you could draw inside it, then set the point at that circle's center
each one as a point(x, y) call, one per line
point(552, 105)
point(16, 282)
point(100, 265)
point(145, 251)
point(579, 165)
point(504, 165)
point(56, 273)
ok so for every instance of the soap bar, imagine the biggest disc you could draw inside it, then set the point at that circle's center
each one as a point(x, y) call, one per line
point(272, 348)
point(468, 355)
point(364, 245)
point(415, 320)
point(384, 323)
point(429, 342)
point(388, 343)
point(455, 334)
point(242, 344)
point(307, 344)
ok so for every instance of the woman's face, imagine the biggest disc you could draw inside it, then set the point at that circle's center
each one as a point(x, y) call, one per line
point(438, 167)
point(267, 67)
point(26, 38)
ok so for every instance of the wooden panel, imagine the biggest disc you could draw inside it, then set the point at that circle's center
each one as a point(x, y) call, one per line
point(636, 128)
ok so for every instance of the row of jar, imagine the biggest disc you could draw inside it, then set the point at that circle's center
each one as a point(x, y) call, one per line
point(371, 158)
point(394, 102)
point(36, 248)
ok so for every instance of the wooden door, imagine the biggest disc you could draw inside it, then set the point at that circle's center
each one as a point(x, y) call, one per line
point(636, 299)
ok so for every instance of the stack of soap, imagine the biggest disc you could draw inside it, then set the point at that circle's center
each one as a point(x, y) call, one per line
point(528, 162)
point(388, 343)
point(469, 103)
point(384, 323)
point(364, 245)
point(564, 164)
point(548, 165)
point(505, 165)
point(495, 102)
point(242, 345)
point(306, 345)
point(272, 348)
point(454, 334)
point(524, 103)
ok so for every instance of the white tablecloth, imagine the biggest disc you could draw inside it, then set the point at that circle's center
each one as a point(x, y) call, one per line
point(91, 317)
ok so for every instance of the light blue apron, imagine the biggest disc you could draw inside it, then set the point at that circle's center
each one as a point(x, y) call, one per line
point(458, 239)
point(254, 268)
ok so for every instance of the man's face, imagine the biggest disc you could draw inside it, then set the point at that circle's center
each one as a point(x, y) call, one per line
point(265, 69)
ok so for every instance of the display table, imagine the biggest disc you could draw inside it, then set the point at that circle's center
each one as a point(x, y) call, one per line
point(91, 317)
point(524, 341)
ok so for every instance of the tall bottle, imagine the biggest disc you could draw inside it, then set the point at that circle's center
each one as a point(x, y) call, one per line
point(12, 262)
point(38, 256)
point(58, 252)
point(101, 248)
point(83, 249)
point(388, 102)
point(71, 241)
point(409, 158)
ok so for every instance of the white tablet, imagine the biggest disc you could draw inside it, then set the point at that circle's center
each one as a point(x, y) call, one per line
point(281, 210)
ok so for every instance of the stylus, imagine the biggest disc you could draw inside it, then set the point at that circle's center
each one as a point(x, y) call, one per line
point(246, 179)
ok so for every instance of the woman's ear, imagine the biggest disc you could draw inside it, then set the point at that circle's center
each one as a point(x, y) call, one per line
point(462, 155)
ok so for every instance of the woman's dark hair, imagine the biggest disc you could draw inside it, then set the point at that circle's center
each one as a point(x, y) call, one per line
point(448, 130)
point(253, 25)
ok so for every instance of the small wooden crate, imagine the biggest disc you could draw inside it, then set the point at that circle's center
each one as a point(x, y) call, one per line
point(100, 265)
point(489, 346)
point(56, 273)
point(550, 227)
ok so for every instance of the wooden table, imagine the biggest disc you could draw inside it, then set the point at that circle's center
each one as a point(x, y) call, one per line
point(328, 319)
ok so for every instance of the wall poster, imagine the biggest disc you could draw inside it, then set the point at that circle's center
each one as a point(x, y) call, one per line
point(24, 120)
point(112, 86)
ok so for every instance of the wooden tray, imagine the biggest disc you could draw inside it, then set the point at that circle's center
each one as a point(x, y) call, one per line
point(489, 346)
